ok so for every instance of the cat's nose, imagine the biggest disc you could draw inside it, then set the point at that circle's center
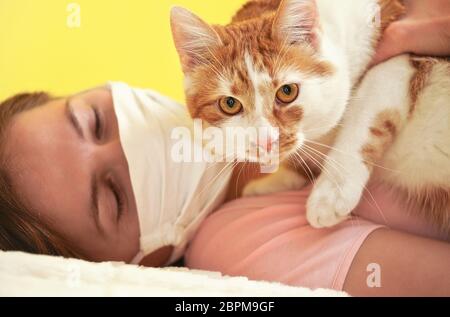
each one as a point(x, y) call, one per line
point(267, 143)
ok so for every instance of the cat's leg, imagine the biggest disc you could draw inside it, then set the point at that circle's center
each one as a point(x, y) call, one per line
point(285, 179)
point(376, 113)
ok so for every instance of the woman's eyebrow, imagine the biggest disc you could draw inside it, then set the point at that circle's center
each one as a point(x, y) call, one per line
point(94, 210)
point(73, 119)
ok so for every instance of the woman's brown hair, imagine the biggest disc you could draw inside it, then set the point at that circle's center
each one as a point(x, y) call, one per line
point(20, 230)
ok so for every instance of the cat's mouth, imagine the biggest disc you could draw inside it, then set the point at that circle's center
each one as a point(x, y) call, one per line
point(263, 147)
point(258, 155)
point(279, 151)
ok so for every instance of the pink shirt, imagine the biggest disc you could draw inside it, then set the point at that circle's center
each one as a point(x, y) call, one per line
point(268, 238)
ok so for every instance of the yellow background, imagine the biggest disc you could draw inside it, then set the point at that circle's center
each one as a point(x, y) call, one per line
point(122, 40)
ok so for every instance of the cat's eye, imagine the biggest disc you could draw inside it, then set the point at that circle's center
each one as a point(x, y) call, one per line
point(288, 93)
point(230, 106)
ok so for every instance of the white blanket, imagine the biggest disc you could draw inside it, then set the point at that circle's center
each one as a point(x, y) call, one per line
point(32, 275)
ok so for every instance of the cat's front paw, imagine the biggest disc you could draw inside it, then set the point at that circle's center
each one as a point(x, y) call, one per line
point(331, 203)
point(283, 180)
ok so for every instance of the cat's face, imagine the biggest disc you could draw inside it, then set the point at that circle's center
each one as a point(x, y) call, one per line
point(260, 73)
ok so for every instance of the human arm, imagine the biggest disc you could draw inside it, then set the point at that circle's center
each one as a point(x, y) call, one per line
point(424, 30)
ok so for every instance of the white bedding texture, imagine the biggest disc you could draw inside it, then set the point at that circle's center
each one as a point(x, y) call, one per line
point(36, 275)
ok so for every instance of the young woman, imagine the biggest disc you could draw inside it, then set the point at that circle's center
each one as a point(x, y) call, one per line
point(66, 189)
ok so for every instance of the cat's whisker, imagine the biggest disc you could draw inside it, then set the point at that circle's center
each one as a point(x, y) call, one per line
point(226, 159)
point(231, 159)
point(323, 168)
point(345, 153)
point(293, 160)
point(332, 164)
point(210, 65)
point(327, 173)
point(278, 58)
point(284, 49)
point(216, 71)
point(303, 165)
point(376, 204)
point(336, 166)
point(207, 186)
point(309, 173)
point(365, 188)
point(217, 60)
point(339, 188)
point(350, 155)
point(237, 180)
point(201, 58)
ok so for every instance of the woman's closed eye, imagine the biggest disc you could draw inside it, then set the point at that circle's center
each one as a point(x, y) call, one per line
point(112, 203)
point(119, 198)
point(89, 117)
point(99, 124)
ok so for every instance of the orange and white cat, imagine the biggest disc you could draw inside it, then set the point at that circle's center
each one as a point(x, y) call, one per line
point(302, 66)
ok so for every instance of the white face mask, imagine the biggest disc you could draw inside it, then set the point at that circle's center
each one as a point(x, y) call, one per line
point(172, 198)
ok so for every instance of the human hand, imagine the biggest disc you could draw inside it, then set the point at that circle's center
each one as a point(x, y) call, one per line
point(424, 30)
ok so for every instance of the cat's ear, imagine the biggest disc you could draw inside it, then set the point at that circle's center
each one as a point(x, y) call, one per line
point(193, 37)
point(296, 21)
